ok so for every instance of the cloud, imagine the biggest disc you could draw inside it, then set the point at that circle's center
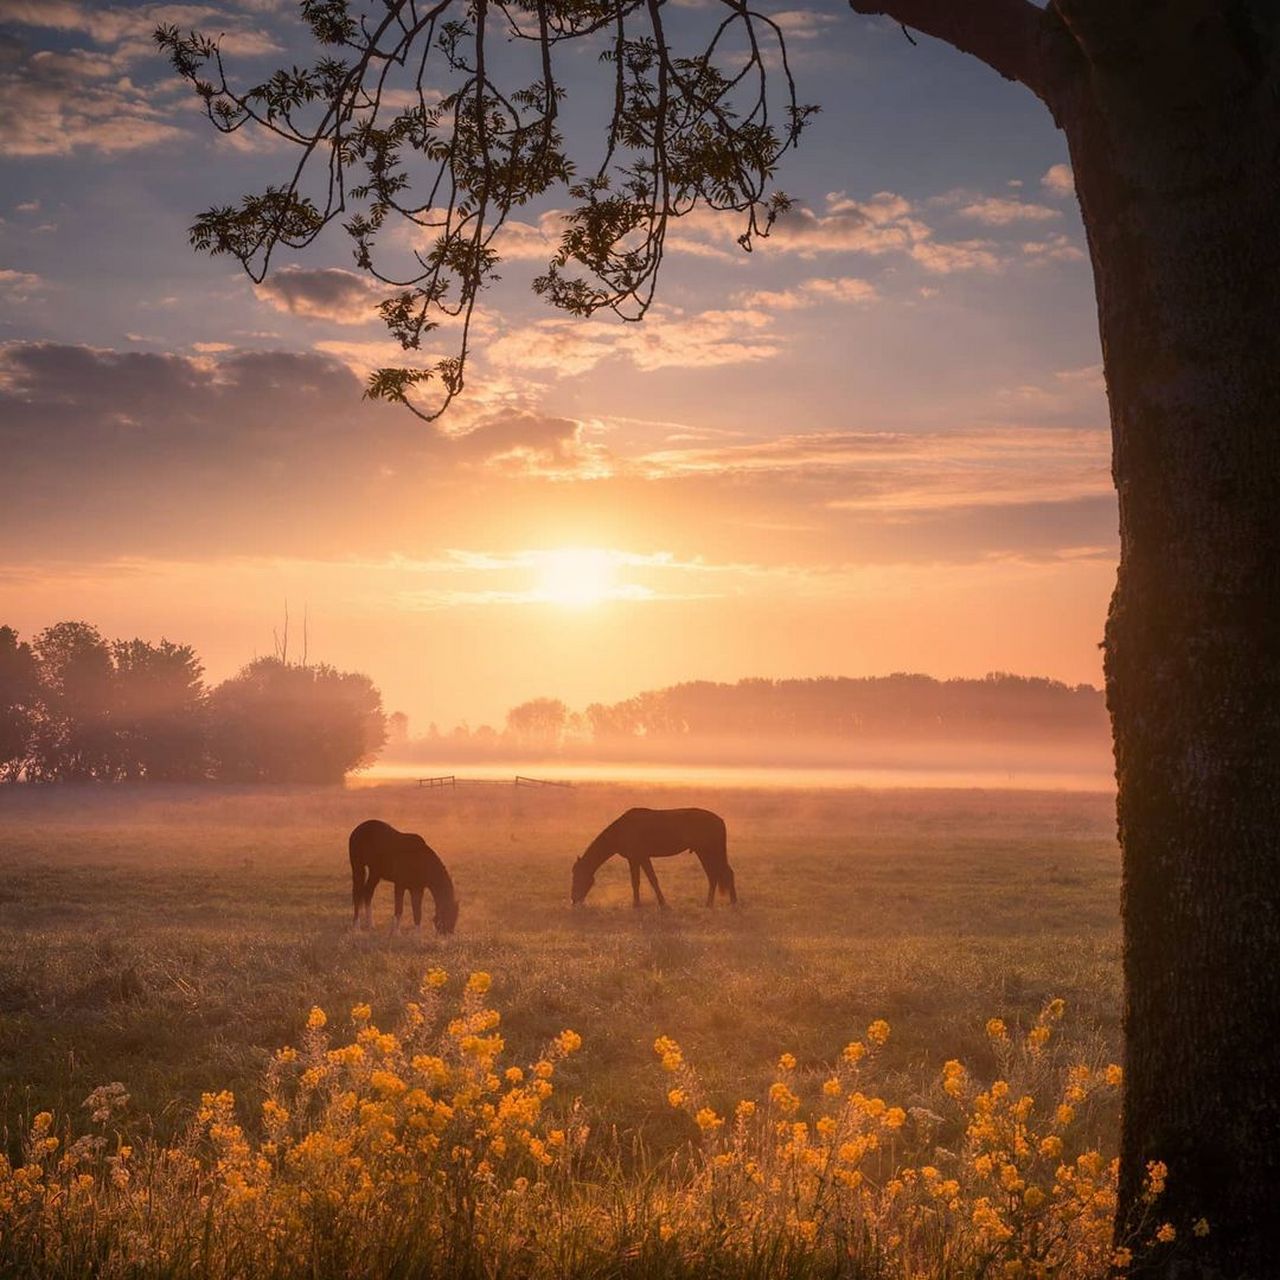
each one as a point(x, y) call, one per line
point(667, 339)
point(59, 102)
point(322, 293)
point(884, 225)
point(132, 450)
point(802, 24)
point(19, 286)
point(810, 293)
point(963, 255)
point(913, 473)
point(1071, 393)
point(1056, 248)
point(999, 211)
point(128, 28)
point(54, 104)
point(1058, 180)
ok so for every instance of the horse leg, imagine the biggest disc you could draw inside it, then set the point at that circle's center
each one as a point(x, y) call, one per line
point(415, 898)
point(711, 876)
point(369, 886)
point(635, 881)
point(653, 880)
point(357, 891)
point(395, 924)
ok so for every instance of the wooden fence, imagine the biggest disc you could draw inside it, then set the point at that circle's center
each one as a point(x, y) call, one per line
point(452, 782)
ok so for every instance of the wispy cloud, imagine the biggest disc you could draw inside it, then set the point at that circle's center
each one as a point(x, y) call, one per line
point(1000, 211)
point(668, 339)
point(899, 472)
point(812, 293)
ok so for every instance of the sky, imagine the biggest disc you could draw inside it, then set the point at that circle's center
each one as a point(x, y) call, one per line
point(877, 443)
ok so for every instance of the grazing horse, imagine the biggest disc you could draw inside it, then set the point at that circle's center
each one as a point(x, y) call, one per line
point(380, 852)
point(642, 834)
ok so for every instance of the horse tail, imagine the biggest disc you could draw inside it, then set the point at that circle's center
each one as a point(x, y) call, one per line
point(725, 882)
point(358, 876)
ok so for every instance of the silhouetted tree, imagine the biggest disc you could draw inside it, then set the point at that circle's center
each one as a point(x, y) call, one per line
point(20, 703)
point(1172, 117)
point(285, 722)
point(158, 712)
point(537, 725)
point(74, 739)
point(397, 728)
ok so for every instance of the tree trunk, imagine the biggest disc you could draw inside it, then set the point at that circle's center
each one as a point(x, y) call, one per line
point(1177, 174)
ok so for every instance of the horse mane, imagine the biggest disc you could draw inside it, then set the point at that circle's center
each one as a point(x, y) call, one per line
point(603, 847)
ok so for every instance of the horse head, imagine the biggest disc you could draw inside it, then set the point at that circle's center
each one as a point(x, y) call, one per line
point(446, 919)
point(583, 879)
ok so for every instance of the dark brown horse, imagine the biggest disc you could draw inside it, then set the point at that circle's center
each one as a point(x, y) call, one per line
point(380, 852)
point(642, 834)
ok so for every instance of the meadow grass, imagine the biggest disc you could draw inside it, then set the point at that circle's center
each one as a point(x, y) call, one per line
point(174, 939)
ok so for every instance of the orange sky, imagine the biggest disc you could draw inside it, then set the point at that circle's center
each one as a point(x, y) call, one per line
point(877, 443)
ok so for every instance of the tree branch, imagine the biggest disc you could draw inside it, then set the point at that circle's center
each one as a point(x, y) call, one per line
point(1008, 35)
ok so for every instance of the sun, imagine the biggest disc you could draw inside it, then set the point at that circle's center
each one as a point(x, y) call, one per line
point(576, 577)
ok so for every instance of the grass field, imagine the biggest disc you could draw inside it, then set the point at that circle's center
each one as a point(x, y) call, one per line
point(173, 939)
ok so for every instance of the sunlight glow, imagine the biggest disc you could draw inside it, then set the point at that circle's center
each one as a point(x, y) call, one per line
point(576, 577)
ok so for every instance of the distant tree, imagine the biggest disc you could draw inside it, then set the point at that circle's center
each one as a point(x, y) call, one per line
point(20, 703)
point(397, 728)
point(285, 722)
point(538, 725)
point(74, 739)
point(158, 712)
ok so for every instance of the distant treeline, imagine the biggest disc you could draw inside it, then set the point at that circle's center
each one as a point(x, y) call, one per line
point(839, 711)
point(900, 706)
point(77, 707)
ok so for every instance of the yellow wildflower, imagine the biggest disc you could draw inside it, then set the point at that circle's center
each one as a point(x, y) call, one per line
point(1115, 1075)
point(1167, 1233)
point(707, 1120)
point(878, 1032)
point(1201, 1228)
point(479, 983)
point(569, 1042)
point(996, 1029)
point(676, 1097)
point(316, 1018)
point(436, 978)
point(783, 1098)
point(787, 1062)
point(854, 1052)
point(361, 1012)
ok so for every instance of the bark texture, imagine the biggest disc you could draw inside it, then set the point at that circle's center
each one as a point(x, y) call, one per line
point(1176, 164)
point(1172, 113)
